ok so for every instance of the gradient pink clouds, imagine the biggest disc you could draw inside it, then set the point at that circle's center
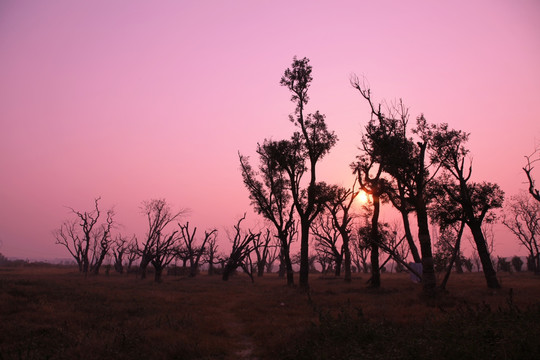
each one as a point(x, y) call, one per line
point(136, 100)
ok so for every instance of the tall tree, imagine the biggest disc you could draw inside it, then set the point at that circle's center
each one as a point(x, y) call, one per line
point(405, 159)
point(476, 200)
point(369, 177)
point(269, 191)
point(311, 142)
point(522, 218)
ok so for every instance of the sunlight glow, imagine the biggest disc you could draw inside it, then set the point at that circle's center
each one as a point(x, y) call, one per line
point(362, 197)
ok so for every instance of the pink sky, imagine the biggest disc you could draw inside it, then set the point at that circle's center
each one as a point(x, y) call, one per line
point(133, 100)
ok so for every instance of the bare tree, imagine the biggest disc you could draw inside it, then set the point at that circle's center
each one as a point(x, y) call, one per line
point(132, 252)
point(361, 247)
point(262, 246)
point(157, 246)
point(242, 247)
point(326, 238)
point(85, 240)
point(273, 255)
point(193, 252)
point(522, 218)
point(211, 254)
point(528, 168)
point(339, 206)
point(67, 235)
point(163, 253)
point(102, 243)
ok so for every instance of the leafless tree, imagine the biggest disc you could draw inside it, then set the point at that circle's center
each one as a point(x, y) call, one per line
point(262, 246)
point(132, 252)
point(528, 168)
point(327, 241)
point(193, 251)
point(102, 242)
point(163, 253)
point(157, 247)
point(273, 255)
point(522, 218)
point(122, 247)
point(67, 235)
point(211, 254)
point(85, 240)
point(361, 248)
point(242, 247)
point(339, 206)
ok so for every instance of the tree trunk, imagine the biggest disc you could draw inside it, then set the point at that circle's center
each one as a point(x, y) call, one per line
point(375, 280)
point(429, 280)
point(304, 255)
point(487, 267)
point(339, 261)
point(347, 257)
point(409, 237)
point(455, 256)
point(158, 270)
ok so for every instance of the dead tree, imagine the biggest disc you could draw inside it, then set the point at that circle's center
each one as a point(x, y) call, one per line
point(522, 218)
point(158, 214)
point(339, 206)
point(211, 254)
point(102, 243)
point(132, 252)
point(528, 168)
point(86, 241)
point(242, 247)
point(327, 237)
point(192, 251)
point(163, 253)
point(273, 255)
point(67, 235)
point(261, 246)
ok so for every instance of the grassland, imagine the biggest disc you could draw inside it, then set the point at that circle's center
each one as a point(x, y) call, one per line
point(55, 313)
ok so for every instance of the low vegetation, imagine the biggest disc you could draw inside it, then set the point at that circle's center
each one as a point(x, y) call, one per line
point(55, 313)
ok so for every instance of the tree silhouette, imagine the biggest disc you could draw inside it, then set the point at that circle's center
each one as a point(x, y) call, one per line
point(158, 248)
point(85, 240)
point(269, 191)
point(242, 247)
point(326, 238)
point(339, 206)
point(404, 159)
point(476, 200)
point(522, 218)
point(528, 168)
point(191, 251)
point(306, 147)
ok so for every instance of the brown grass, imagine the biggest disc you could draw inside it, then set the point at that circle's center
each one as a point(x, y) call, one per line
point(56, 313)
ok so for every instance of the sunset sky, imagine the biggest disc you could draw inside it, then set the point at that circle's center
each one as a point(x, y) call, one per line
point(134, 100)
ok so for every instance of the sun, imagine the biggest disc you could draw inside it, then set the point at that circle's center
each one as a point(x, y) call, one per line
point(362, 198)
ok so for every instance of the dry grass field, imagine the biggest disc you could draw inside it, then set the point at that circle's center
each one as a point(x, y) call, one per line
point(55, 313)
